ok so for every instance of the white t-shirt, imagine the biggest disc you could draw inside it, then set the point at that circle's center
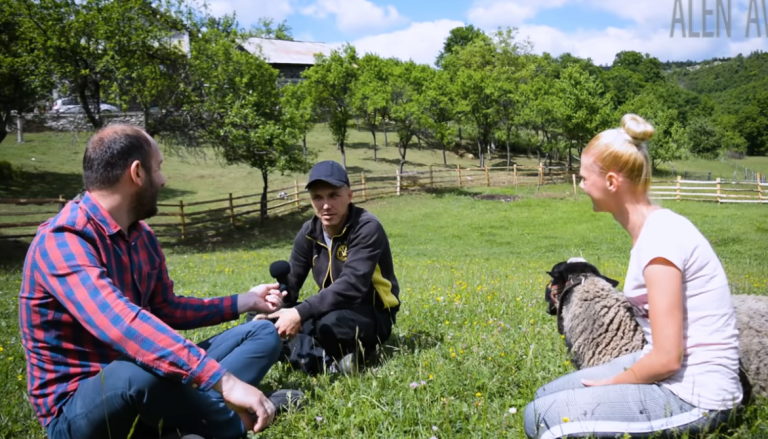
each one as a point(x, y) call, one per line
point(709, 376)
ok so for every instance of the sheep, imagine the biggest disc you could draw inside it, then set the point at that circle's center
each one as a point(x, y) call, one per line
point(598, 326)
point(599, 323)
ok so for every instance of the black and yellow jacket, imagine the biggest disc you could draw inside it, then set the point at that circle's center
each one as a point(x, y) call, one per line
point(355, 270)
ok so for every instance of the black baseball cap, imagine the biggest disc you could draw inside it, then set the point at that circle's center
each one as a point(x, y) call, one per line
point(330, 172)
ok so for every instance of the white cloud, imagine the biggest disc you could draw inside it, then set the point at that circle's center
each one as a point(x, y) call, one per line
point(249, 11)
point(602, 46)
point(356, 15)
point(420, 42)
point(491, 14)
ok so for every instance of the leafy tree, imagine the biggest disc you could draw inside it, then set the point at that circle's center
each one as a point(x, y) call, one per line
point(24, 75)
point(509, 73)
point(408, 82)
point(584, 109)
point(372, 92)
point(437, 106)
point(264, 29)
point(299, 100)
point(471, 69)
point(705, 139)
point(241, 112)
point(92, 44)
point(669, 140)
point(460, 37)
point(539, 114)
point(332, 78)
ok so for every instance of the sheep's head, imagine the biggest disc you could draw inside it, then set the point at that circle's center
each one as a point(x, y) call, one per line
point(564, 273)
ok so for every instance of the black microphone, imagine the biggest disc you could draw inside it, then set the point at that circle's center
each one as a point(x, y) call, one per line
point(280, 271)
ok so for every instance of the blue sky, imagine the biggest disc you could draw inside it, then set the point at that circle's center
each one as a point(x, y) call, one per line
point(416, 29)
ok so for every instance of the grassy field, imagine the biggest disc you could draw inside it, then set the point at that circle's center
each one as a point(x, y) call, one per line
point(473, 337)
point(50, 164)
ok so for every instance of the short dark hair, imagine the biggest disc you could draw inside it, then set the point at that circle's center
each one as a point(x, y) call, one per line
point(111, 151)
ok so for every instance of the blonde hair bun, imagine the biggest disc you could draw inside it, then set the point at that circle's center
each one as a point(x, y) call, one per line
point(637, 128)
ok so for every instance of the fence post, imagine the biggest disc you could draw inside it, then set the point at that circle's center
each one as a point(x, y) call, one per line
point(19, 128)
point(718, 189)
point(458, 172)
point(365, 192)
point(515, 173)
point(574, 183)
point(759, 188)
point(678, 186)
point(487, 176)
point(62, 202)
point(541, 173)
point(431, 181)
point(183, 222)
point(296, 192)
point(398, 180)
point(231, 211)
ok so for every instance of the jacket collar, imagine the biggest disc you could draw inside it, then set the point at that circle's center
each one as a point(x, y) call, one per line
point(316, 226)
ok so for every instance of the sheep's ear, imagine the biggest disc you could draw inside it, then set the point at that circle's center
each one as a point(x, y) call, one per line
point(613, 282)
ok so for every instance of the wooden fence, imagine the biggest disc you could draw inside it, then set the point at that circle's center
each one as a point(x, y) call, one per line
point(185, 219)
point(720, 191)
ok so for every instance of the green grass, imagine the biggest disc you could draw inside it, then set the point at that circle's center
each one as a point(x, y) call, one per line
point(473, 325)
point(57, 166)
point(719, 168)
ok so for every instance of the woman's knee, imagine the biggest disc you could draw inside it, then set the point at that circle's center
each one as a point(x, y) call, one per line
point(530, 421)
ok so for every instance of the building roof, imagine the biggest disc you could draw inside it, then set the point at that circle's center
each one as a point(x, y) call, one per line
point(287, 52)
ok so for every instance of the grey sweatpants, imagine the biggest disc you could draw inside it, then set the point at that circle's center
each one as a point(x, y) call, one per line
point(565, 407)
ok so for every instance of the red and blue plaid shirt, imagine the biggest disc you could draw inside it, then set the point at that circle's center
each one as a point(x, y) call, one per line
point(91, 293)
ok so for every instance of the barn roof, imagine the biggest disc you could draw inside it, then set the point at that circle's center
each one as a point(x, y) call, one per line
point(287, 52)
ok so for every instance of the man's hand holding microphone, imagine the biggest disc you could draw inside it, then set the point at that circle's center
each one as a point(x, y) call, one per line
point(287, 321)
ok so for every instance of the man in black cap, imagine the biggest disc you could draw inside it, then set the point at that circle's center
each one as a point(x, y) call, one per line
point(347, 250)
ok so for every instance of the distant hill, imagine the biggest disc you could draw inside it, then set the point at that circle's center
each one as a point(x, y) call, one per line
point(718, 75)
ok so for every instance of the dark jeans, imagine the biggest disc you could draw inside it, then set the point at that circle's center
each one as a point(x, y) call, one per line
point(332, 336)
point(106, 405)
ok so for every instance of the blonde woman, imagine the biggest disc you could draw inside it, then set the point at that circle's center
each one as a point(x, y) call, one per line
point(687, 376)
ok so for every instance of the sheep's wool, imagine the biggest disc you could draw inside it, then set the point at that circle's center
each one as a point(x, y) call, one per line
point(709, 376)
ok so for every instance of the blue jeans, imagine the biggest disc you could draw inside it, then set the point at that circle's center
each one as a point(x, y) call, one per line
point(105, 406)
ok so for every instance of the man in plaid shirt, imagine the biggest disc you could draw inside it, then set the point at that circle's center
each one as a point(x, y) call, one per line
point(98, 317)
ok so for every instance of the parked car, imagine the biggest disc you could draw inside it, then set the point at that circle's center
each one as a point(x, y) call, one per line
point(72, 105)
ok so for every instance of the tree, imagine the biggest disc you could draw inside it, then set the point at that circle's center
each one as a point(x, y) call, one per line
point(584, 110)
point(372, 92)
point(263, 29)
point(241, 112)
point(705, 139)
point(333, 78)
point(437, 106)
point(298, 99)
point(669, 139)
point(94, 46)
point(24, 75)
point(471, 71)
point(539, 113)
point(509, 73)
point(408, 82)
point(457, 38)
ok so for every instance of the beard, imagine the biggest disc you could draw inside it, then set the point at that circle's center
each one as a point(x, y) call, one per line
point(146, 200)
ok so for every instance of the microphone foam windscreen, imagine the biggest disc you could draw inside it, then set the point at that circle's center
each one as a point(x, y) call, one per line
point(279, 269)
